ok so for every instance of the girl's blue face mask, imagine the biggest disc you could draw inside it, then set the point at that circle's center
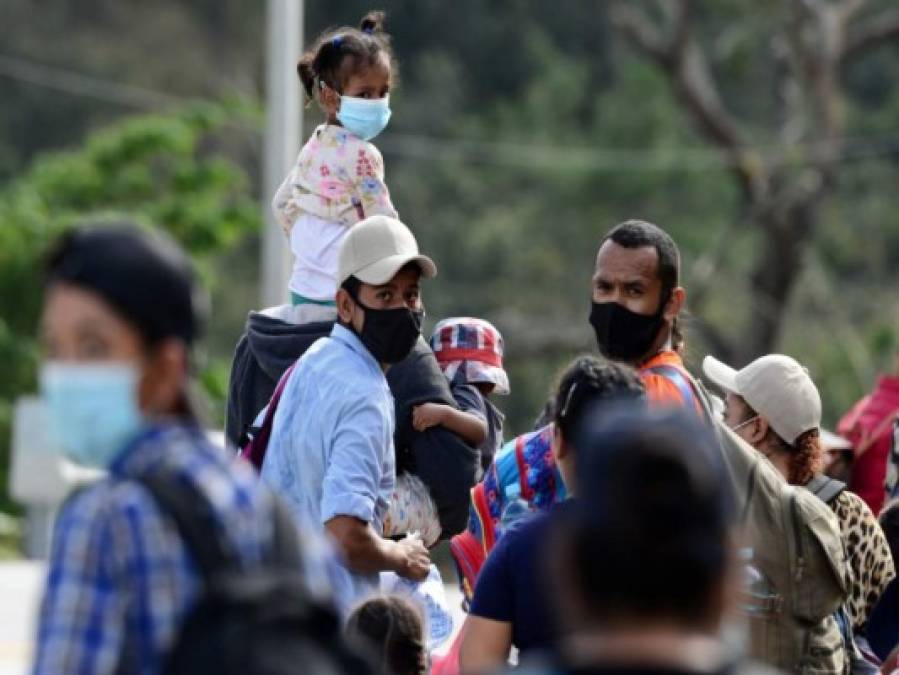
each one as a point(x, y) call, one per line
point(93, 408)
point(364, 117)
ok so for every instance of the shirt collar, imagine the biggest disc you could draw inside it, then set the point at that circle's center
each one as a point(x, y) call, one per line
point(347, 337)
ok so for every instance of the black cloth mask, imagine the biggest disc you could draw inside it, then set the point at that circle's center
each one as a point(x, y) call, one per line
point(390, 334)
point(623, 335)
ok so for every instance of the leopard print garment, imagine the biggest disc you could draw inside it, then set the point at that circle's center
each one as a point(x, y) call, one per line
point(869, 555)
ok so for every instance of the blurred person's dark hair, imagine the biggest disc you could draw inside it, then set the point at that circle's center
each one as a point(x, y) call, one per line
point(889, 523)
point(647, 538)
point(144, 276)
point(338, 52)
point(392, 630)
point(586, 382)
point(633, 234)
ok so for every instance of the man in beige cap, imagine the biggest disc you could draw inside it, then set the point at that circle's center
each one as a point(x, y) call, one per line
point(331, 453)
point(774, 405)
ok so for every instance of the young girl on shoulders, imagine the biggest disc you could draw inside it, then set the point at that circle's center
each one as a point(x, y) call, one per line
point(338, 178)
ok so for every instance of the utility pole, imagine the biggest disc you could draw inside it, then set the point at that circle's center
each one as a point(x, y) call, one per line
point(282, 127)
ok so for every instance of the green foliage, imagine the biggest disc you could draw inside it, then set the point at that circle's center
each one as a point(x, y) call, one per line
point(522, 131)
point(162, 171)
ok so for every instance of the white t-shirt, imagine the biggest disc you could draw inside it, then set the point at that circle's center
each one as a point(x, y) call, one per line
point(314, 243)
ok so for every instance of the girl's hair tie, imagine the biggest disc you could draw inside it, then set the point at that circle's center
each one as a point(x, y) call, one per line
point(368, 30)
point(336, 40)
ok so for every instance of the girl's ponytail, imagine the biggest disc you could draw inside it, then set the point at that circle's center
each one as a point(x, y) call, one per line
point(372, 23)
point(307, 73)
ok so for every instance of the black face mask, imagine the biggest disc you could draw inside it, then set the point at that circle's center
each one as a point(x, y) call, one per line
point(623, 335)
point(390, 334)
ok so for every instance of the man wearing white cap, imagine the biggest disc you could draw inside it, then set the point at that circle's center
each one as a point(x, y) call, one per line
point(774, 405)
point(331, 453)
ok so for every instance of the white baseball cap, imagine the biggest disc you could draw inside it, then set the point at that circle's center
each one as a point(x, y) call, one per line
point(777, 387)
point(375, 249)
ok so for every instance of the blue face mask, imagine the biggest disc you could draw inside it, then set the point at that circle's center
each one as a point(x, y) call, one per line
point(93, 408)
point(364, 117)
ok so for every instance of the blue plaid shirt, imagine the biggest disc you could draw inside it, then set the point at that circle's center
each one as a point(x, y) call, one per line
point(120, 579)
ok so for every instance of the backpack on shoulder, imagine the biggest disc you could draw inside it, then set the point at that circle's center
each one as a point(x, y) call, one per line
point(797, 549)
point(259, 620)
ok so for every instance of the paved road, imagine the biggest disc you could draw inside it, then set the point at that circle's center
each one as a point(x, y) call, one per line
point(21, 584)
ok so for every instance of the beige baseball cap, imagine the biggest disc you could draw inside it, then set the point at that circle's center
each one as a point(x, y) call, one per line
point(777, 387)
point(378, 247)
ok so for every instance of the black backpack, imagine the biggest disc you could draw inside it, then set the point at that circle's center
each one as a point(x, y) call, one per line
point(248, 621)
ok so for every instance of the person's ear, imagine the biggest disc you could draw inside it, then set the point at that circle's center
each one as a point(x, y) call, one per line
point(329, 100)
point(164, 378)
point(675, 303)
point(757, 430)
point(559, 448)
point(345, 306)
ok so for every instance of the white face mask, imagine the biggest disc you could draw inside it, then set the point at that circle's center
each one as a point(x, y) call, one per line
point(93, 407)
point(744, 423)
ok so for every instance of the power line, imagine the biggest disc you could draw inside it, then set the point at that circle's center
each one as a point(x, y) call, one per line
point(79, 84)
point(582, 158)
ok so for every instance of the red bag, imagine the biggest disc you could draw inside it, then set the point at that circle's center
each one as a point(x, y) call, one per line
point(254, 450)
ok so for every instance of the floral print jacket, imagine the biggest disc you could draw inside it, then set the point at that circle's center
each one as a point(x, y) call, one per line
point(337, 177)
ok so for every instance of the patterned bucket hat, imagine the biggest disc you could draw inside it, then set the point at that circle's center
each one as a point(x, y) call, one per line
point(470, 351)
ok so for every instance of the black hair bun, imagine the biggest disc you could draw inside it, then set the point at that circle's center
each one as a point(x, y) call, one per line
point(373, 22)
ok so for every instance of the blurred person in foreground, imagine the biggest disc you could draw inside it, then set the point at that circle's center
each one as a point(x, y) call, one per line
point(121, 312)
point(774, 405)
point(510, 606)
point(643, 564)
point(869, 427)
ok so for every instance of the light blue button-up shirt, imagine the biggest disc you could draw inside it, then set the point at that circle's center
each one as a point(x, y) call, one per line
point(331, 449)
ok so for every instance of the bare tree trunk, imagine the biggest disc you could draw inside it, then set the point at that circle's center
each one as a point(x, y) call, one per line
point(816, 41)
point(777, 269)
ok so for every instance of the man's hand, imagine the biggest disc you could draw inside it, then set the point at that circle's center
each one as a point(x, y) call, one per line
point(414, 561)
point(429, 415)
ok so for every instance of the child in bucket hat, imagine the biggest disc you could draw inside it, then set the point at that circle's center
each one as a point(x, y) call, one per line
point(470, 353)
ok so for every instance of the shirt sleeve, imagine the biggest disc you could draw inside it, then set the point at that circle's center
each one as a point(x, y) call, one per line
point(470, 400)
point(661, 392)
point(369, 185)
point(81, 622)
point(356, 463)
point(493, 595)
point(869, 556)
point(284, 206)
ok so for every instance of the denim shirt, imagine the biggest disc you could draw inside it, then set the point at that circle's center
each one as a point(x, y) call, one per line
point(331, 449)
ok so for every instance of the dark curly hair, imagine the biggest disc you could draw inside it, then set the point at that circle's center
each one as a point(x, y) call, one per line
point(338, 52)
point(589, 380)
point(392, 629)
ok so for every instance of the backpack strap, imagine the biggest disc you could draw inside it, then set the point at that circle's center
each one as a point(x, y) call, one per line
point(285, 550)
point(685, 385)
point(825, 488)
point(254, 450)
point(192, 514)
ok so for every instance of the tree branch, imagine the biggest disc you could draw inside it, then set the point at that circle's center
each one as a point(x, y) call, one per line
point(687, 68)
point(871, 34)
